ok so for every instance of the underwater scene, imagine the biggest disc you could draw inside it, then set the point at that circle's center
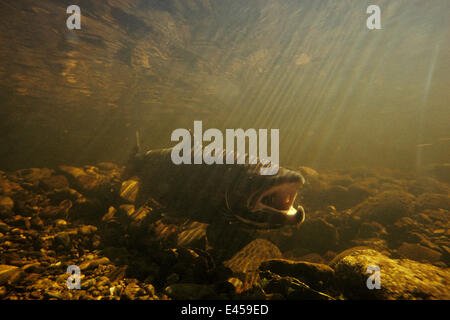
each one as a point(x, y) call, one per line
point(224, 150)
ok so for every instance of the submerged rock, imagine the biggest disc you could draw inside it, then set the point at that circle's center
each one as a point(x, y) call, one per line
point(60, 211)
point(312, 257)
point(46, 225)
point(92, 181)
point(290, 288)
point(315, 275)
point(190, 291)
point(92, 264)
point(371, 229)
point(129, 190)
point(433, 201)
point(317, 235)
point(193, 235)
point(132, 291)
point(54, 182)
point(399, 279)
point(419, 253)
point(246, 262)
point(32, 176)
point(252, 255)
point(386, 207)
point(9, 188)
point(6, 206)
point(427, 184)
point(6, 273)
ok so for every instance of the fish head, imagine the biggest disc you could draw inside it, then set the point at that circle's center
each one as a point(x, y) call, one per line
point(270, 203)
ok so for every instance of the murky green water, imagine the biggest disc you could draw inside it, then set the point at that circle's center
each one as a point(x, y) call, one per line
point(341, 94)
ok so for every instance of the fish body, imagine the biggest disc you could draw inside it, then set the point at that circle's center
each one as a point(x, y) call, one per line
point(216, 192)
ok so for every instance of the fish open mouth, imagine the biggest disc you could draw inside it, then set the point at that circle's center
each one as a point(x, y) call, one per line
point(279, 199)
point(274, 207)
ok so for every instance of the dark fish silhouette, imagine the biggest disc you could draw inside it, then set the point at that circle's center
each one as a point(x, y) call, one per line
point(210, 193)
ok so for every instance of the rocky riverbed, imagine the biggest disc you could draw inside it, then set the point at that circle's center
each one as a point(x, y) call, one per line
point(54, 218)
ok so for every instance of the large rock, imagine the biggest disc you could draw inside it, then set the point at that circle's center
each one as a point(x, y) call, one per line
point(315, 275)
point(91, 180)
point(61, 210)
point(54, 182)
point(190, 265)
point(405, 229)
point(32, 175)
point(290, 288)
point(10, 274)
point(193, 235)
point(246, 262)
point(318, 235)
point(418, 252)
point(251, 256)
point(340, 191)
point(386, 207)
point(8, 187)
point(6, 206)
point(399, 279)
point(371, 229)
point(427, 184)
point(129, 190)
point(433, 201)
point(94, 263)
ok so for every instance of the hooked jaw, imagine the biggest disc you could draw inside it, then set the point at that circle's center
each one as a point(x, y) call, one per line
point(279, 202)
point(274, 207)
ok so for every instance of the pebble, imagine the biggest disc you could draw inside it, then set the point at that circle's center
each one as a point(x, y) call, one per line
point(87, 229)
point(6, 272)
point(60, 223)
point(4, 227)
point(132, 291)
point(116, 291)
point(91, 264)
point(53, 294)
point(86, 284)
point(32, 268)
point(150, 289)
point(64, 239)
point(129, 190)
point(172, 278)
point(103, 281)
point(3, 292)
point(6, 206)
